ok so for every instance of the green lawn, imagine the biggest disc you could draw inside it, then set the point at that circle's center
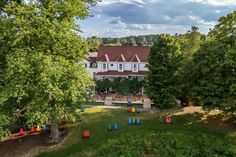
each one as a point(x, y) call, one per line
point(187, 136)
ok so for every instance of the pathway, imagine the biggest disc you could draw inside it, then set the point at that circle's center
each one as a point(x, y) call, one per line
point(189, 109)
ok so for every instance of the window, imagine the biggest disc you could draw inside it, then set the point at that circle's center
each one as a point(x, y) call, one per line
point(111, 65)
point(94, 65)
point(135, 67)
point(85, 65)
point(104, 66)
point(120, 67)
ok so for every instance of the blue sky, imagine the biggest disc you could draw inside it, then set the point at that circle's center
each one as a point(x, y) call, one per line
point(119, 18)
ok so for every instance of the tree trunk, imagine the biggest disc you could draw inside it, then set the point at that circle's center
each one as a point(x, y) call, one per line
point(55, 135)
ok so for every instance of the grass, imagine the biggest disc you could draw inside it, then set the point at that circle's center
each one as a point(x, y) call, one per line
point(122, 142)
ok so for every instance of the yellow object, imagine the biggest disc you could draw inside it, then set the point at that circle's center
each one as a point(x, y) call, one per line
point(133, 110)
point(38, 129)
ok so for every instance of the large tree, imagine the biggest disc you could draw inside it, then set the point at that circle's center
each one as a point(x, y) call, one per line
point(162, 81)
point(215, 68)
point(42, 79)
point(190, 43)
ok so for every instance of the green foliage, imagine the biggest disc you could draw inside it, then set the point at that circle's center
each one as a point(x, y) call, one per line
point(167, 144)
point(40, 49)
point(162, 81)
point(190, 43)
point(95, 42)
point(117, 44)
point(215, 75)
point(225, 30)
point(123, 86)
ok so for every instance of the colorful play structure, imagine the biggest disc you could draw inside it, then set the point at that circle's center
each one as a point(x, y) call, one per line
point(168, 120)
point(116, 126)
point(86, 134)
point(131, 109)
point(39, 128)
point(133, 121)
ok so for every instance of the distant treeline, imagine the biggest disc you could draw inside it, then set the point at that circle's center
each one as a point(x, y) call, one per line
point(95, 42)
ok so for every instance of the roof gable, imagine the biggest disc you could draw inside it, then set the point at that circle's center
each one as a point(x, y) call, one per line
point(121, 58)
point(135, 59)
point(127, 53)
point(104, 58)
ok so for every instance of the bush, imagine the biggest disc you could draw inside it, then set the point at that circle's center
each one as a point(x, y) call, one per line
point(167, 144)
point(123, 86)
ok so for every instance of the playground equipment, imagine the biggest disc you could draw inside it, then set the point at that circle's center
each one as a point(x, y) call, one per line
point(86, 134)
point(38, 128)
point(21, 132)
point(168, 120)
point(129, 109)
point(32, 130)
point(109, 127)
point(133, 110)
point(116, 126)
point(44, 128)
point(133, 121)
point(138, 121)
point(129, 121)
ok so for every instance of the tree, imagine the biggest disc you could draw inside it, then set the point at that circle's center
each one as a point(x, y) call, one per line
point(190, 43)
point(162, 84)
point(40, 46)
point(225, 30)
point(93, 43)
point(215, 75)
point(141, 40)
point(131, 41)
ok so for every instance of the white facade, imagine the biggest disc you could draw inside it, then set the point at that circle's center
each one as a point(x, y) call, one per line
point(115, 66)
point(118, 61)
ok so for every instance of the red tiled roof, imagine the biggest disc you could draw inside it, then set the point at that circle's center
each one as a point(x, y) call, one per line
point(121, 58)
point(105, 58)
point(129, 52)
point(135, 59)
point(124, 73)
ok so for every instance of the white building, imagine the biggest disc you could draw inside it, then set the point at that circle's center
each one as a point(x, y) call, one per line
point(118, 61)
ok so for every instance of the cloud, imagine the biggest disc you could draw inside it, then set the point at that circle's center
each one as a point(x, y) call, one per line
point(163, 12)
point(127, 17)
point(135, 2)
point(216, 2)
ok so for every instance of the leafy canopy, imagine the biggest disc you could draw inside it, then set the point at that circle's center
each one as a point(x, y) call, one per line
point(39, 49)
point(162, 81)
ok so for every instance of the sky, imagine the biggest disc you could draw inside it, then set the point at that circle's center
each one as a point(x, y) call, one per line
point(121, 18)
